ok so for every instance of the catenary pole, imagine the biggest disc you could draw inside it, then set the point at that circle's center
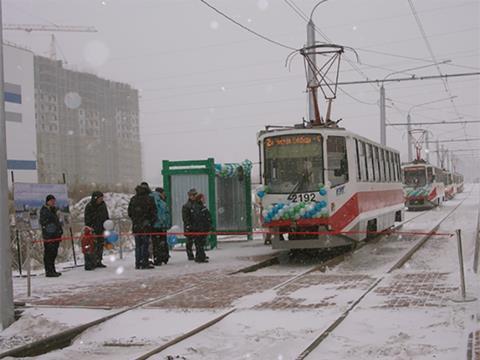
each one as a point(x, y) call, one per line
point(7, 310)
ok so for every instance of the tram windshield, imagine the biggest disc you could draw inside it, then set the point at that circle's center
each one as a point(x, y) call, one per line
point(293, 163)
point(414, 176)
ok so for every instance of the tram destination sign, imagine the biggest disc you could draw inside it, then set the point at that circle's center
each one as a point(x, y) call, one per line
point(287, 140)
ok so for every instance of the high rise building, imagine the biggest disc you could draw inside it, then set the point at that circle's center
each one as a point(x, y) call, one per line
point(87, 127)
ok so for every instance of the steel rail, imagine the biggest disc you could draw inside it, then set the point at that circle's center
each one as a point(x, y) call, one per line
point(319, 339)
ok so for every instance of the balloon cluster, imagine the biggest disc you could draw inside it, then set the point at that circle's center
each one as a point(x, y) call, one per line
point(230, 170)
point(420, 192)
point(295, 211)
point(111, 236)
point(262, 191)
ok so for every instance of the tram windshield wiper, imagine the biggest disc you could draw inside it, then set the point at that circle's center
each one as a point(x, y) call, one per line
point(300, 182)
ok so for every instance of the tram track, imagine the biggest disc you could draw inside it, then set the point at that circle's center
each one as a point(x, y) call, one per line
point(408, 255)
point(65, 338)
point(320, 267)
point(274, 260)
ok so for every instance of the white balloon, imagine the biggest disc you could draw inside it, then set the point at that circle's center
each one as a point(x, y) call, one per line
point(108, 225)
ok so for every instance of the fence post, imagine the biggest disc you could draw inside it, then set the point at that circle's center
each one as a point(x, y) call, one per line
point(119, 228)
point(462, 273)
point(73, 247)
point(29, 267)
point(19, 255)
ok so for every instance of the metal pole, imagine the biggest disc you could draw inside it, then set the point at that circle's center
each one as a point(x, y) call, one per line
point(460, 259)
point(19, 254)
point(311, 82)
point(73, 247)
point(7, 311)
point(29, 266)
point(119, 229)
point(438, 154)
point(409, 137)
point(383, 117)
point(427, 150)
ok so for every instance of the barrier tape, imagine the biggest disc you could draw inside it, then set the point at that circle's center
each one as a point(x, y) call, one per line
point(260, 232)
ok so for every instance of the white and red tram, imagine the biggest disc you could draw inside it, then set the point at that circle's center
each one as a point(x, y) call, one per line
point(458, 181)
point(423, 184)
point(326, 180)
point(450, 189)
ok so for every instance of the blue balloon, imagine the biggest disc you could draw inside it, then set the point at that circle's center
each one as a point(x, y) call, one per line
point(171, 240)
point(323, 192)
point(112, 237)
point(261, 194)
point(322, 204)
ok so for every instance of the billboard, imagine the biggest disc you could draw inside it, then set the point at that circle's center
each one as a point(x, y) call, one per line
point(29, 199)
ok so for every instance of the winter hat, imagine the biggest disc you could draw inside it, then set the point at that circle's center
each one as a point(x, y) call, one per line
point(96, 195)
point(192, 191)
point(49, 197)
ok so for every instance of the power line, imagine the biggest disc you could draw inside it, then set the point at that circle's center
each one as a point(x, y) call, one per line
point(436, 123)
point(246, 28)
point(430, 50)
point(453, 140)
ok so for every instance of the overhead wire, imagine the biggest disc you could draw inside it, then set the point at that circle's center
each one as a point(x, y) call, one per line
point(246, 28)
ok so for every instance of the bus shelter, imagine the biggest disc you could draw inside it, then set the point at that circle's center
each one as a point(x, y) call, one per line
point(227, 190)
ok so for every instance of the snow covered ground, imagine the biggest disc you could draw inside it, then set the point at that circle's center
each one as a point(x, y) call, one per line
point(409, 315)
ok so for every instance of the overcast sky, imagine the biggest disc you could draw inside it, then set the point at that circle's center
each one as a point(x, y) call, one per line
point(207, 86)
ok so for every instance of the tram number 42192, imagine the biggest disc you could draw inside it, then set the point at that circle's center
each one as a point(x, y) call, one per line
point(302, 197)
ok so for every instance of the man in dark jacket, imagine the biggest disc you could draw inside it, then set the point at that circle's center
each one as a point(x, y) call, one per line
point(96, 213)
point(143, 213)
point(51, 230)
point(201, 222)
point(187, 222)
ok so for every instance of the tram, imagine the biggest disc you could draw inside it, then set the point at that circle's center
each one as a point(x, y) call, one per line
point(324, 186)
point(450, 189)
point(423, 185)
point(458, 181)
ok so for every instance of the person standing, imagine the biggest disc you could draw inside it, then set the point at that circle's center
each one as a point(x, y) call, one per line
point(160, 227)
point(96, 213)
point(51, 233)
point(143, 213)
point(186, 217)
point(201, 222)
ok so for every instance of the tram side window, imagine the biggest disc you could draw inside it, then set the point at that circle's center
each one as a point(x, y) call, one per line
point(389, 166)
point(382, 165)
point(429, 175)
point(337, 160)
point(395, 165)
point(399, 167)
point(357, 152)
point(394, 170)
point(361, 155)
point(371, 174)
point(376, 164)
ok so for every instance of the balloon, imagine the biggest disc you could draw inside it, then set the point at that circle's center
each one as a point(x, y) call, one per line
point(261, 194)
point(108, 225)
point(171, 240)
point(112, 237)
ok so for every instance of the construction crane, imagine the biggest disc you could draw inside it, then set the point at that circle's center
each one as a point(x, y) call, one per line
point(50, 28)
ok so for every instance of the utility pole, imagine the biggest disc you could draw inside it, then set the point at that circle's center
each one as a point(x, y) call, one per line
point(409, 137)
point(427, 150)
point(383, 120)
point(7, 310)
point(438, 153)
point(311, 79)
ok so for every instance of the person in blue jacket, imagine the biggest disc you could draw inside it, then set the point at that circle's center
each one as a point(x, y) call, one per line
point(161, 225)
